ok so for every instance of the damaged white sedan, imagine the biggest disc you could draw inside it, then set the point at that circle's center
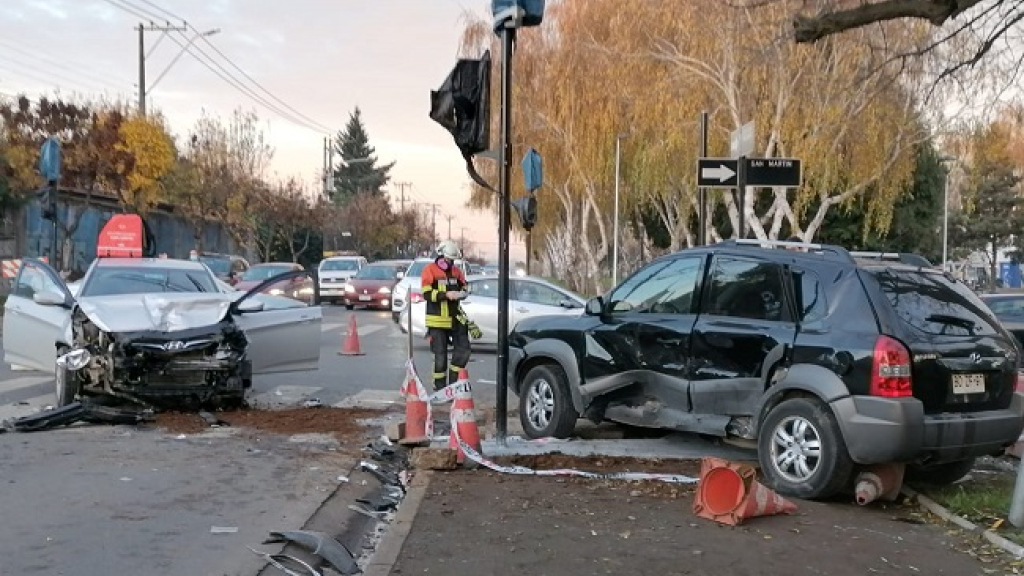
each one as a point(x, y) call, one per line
point(155, 332)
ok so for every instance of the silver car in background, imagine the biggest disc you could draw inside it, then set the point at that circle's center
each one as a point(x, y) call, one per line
point(529, 296)
point(409, 288)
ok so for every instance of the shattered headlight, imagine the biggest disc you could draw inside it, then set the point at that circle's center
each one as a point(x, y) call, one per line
point(75, 360)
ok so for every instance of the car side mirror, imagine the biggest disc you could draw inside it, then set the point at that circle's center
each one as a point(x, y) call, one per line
point(48, 298)
point(595, 306)
point(566, 303)
point(251, 305)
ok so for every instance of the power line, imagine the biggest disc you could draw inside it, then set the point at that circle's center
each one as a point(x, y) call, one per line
point(68, 66)
point(227, 77)
point(304, 120)
point(45, 80)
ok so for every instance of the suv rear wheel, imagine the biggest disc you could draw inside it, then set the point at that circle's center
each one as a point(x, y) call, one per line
point(545, 405)
point(801, 450)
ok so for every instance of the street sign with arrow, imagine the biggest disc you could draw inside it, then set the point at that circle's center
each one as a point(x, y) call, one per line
point(716, 172)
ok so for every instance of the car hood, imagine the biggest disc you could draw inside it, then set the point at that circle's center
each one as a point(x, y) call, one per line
point(337, 274)
point(159, 312)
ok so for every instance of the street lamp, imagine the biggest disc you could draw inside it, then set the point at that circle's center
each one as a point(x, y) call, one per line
point(615, 226)
point(945, 212)
point(184, 49)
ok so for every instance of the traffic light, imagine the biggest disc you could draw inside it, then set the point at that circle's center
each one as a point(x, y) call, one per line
point(526, 208)
point(462, 105)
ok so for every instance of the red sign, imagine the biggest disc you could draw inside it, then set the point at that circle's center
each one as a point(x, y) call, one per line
point(121, 237)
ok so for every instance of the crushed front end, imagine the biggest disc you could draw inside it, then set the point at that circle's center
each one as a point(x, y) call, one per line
point(204, 366)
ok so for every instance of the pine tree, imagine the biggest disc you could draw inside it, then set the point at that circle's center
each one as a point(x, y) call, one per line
point(357, 173)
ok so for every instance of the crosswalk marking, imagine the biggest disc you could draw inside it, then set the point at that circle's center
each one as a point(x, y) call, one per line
point(23, 382)
point(25, 407)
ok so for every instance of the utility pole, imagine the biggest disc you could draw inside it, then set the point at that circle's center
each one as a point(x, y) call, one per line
point(449, 219)
point(462, 240)
point(401, 191)
point(142, 29)
point(433, 222)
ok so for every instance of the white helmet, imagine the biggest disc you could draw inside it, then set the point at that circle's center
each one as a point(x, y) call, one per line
point(449, 249)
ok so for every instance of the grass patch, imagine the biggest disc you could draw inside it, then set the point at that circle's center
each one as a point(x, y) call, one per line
point(984, 500)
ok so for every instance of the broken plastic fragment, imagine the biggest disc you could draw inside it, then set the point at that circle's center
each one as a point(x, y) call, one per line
point(334, 552)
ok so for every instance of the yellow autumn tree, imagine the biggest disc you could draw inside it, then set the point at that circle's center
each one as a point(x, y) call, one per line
point(147, 157)
point(601, 68)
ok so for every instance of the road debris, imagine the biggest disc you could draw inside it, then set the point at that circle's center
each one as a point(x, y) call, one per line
point(275, 561)
point(88, 412)
point(321, 544)
point(212, 419)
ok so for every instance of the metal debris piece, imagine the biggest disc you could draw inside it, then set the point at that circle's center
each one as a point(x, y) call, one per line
point(211, 419)
point(321, 544)
point(368, 513)
point(80, 412)
point(386, 477)
point(274, 559)
point(381, 504)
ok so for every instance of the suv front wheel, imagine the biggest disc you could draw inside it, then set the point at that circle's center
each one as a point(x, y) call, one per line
point(545, 405)
point(801, 450)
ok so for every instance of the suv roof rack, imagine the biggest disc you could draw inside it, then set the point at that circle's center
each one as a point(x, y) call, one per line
point(837, 252)
point(902, 257)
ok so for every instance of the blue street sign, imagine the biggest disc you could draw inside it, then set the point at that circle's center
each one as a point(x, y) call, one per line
point(49, 159)
point(532, 12)
point(533, 170)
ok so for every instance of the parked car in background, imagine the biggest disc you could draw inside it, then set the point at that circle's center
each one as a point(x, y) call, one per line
point(1009, 309)
point(333, 272)
point(828, 361)
point(299, 288)
point(529, 297)
point(409, 286)
point(372, 285)
point(227, 267)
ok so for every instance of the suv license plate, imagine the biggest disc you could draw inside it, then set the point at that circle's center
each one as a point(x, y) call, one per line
point(968, 383)
point(365, 298)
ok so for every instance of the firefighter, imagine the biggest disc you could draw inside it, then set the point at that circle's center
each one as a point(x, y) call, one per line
point(444, 286)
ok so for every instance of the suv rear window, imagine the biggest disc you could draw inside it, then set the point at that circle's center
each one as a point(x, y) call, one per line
point(933, 304)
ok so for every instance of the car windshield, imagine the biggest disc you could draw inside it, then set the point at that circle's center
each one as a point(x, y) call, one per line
point(261, 273)
point(416, 268)
point(377, 273)
point(343, 265)
point(113, 281)
point(219, 266)
point(934, 304)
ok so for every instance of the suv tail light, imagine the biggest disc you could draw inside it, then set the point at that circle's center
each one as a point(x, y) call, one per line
point(416, 297)
point(890, 371)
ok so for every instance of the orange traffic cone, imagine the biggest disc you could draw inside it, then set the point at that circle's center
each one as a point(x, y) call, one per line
point(464, 423)
point(415, 416)
point(729, 494)
point(350, 347)
point(879, 481)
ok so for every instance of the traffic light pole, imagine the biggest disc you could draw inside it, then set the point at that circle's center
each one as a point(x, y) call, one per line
point(508, 36)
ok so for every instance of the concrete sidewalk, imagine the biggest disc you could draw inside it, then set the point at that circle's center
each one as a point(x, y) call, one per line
point(484, 523)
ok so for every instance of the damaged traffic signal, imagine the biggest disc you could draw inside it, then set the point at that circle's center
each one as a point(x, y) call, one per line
point(462, 105)
point(526, 208)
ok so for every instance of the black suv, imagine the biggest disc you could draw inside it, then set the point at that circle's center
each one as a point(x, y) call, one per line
point(826, 359)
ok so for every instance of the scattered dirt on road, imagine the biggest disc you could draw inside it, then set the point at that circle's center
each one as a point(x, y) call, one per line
point(323, 420)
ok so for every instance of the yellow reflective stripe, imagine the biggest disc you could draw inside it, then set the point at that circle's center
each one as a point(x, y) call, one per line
point(454, 368)
point(438, 322)
point(438, 375)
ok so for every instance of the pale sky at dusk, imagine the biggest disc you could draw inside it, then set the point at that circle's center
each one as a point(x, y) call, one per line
point(320, 57)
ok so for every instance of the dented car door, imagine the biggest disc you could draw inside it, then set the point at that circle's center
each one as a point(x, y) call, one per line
point(35, 316)
point(280, 339)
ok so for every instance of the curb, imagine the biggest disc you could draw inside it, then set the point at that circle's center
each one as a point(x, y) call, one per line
point(940, 511)
point(386, 556)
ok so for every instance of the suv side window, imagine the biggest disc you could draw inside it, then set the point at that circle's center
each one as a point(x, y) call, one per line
point(534, 293)
point(661, 288)
point(810, 297)
point(484, 288)
point(750, 289)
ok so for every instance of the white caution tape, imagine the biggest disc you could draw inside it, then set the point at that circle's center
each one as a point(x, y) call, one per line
point(447, 394)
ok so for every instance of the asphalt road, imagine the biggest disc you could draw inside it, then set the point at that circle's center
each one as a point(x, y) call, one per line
point(339, 380)
point(96, 500)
